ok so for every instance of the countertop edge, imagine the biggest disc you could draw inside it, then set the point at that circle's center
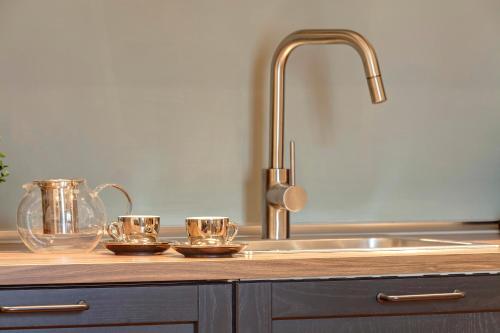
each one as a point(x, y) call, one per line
point(264, 269)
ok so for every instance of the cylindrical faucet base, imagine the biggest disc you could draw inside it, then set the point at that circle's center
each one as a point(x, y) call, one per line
point(278, 218)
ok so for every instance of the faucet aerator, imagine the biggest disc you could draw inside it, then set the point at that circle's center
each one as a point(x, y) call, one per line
point(376, 87)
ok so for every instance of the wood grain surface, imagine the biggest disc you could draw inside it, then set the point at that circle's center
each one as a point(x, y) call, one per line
point(253, 310)
point(485, 322)
point(215, 308)
point(349, 298)
point(20, 267)
point(107, 306)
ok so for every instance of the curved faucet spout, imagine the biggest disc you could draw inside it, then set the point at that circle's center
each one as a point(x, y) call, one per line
point(315, 37)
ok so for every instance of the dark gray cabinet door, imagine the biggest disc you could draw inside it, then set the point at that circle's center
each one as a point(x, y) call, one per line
point(320, 306)
point(107, 305)
point(483, 322)
point(169, 328)
point(137, 308)
point(215, 308)
point(253, 307)
point(359, 297)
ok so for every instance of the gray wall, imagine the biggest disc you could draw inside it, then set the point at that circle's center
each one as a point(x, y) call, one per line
point(170, 99)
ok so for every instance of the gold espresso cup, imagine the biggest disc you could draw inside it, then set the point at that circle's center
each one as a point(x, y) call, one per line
point(210, 230)
point(135, 229)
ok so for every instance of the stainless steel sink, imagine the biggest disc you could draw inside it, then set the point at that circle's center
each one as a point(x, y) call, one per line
point(357, 244)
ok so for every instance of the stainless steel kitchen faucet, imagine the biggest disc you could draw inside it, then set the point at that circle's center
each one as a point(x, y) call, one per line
point(283, 196)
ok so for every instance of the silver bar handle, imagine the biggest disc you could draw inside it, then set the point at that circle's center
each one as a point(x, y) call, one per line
point(80, 306)
point(292, 163)
point(456, 294)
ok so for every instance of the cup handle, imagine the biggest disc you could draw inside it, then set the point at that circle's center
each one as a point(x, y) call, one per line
point(232, 231)
point(119, 188)
point(115, 231)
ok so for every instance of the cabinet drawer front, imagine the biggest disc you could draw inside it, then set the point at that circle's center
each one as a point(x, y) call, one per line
point(485, 322)
point(168, 328)
point(106, 305)
point(359, 297)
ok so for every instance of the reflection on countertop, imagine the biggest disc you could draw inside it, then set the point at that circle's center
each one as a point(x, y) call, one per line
point(20, 267)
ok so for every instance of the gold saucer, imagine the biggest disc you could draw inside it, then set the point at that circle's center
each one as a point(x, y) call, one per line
point(137, 249)
point(208, 251)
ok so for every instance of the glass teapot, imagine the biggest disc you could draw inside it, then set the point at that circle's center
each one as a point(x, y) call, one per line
point(63, 215)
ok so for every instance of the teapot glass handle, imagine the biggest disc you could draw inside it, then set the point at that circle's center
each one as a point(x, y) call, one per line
point(28, 187)
point(119, 188)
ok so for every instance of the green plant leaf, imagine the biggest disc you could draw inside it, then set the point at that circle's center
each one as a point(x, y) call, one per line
point(3, 169)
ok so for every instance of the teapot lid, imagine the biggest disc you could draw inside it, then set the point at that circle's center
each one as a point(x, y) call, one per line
point(59, 183)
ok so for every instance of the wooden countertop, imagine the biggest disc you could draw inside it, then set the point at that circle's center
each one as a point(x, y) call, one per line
point(20, 267)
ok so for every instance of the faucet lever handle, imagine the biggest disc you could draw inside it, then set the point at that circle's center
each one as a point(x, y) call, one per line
point(292, 163)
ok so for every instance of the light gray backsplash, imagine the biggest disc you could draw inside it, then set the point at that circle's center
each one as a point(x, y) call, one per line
point(170, 99)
